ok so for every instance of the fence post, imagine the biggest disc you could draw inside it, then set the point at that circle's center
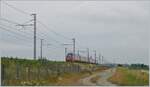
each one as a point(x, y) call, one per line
point(64, 68)
point(67, 69)
point(38, 72)
point(17, 71)
point(74, 66)
point(28, 72)
point(78, 68)
point(2, 74)
point(58, 71)
point(70, 68)
point(47, 73)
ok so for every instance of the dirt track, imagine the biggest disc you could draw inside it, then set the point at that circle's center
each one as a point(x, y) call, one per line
point(102, 80)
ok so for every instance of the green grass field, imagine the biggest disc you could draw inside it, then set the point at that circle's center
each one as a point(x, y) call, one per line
point(130, 77)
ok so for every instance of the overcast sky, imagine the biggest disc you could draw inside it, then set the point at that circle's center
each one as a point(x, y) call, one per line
point(116, 29)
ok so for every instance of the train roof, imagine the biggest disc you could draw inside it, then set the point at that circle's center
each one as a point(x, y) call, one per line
point(72, 54)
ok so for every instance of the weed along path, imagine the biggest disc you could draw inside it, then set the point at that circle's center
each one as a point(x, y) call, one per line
point(104, 76)
point(99, 79)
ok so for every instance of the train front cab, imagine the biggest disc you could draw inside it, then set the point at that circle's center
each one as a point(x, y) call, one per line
point(69, 57)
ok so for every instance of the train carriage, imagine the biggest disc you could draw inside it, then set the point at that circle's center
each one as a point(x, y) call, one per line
point(70, 57)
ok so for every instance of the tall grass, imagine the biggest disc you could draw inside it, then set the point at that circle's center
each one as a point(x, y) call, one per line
point(129, 77)
point(37, 72)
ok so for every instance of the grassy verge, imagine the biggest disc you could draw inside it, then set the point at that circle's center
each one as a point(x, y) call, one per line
point(64, 79)
point(94, 79)
point(16, 72)
point(73, 78)
point(129, 77)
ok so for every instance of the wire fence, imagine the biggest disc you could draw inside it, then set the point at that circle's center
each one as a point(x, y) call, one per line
point(18, 72)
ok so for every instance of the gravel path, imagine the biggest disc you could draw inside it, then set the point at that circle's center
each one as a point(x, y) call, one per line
point(102, 81)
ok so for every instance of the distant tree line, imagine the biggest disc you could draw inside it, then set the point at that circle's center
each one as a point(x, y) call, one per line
point(139, 66)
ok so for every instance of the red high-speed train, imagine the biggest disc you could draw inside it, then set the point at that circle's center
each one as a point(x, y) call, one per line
point(70, 58)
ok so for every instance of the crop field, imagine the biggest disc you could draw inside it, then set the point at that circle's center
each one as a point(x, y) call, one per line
point(130, 77)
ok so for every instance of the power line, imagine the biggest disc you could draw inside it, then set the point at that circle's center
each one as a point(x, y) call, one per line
point(77, 43)
point(14, 32)
point(18, 24)
point(17, 39)
point(58, 34)
point(22, 32)
point(53, 31)
point(45, 35)
point(9, 21)
point(50, 37)
point(15, 8)
point(25, 22)
point(41, 34)
point(28, 22)
point(12, 22)
point(19, 10)
point(16, 29)
point(38, 21)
